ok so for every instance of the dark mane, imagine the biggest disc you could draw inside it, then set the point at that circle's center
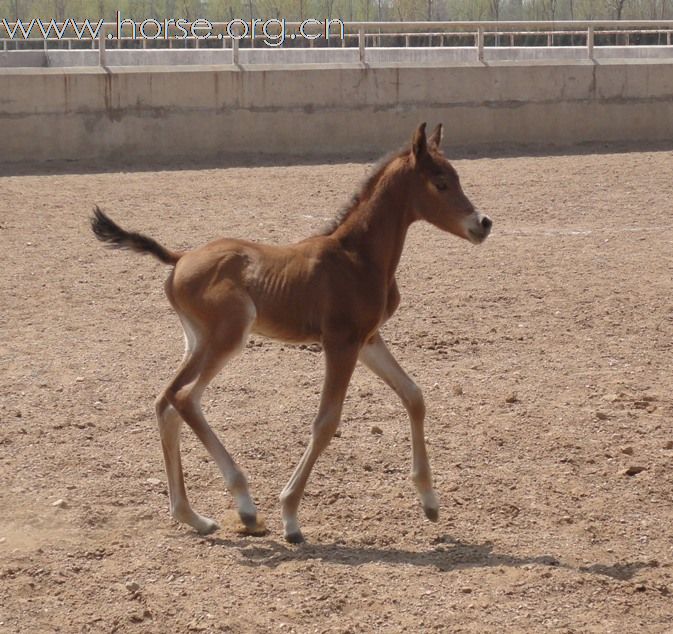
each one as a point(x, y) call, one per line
point(363, 193)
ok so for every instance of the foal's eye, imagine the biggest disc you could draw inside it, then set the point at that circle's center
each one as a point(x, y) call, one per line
point(441, 186)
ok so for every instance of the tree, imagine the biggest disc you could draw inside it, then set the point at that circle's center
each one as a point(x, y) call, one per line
point(59, 10)
point(408, 10)
point(550, 9)
point(617, 8)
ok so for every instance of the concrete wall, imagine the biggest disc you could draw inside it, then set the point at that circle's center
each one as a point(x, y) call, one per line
point(267, 55)
point(202, 112)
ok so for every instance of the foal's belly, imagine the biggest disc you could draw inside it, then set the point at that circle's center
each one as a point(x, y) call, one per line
point(287, 321)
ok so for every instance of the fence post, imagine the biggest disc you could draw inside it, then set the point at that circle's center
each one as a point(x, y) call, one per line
point(361, 44)
point(480, 43)
point(234, 50)
point(102, 51)
point(590, 42)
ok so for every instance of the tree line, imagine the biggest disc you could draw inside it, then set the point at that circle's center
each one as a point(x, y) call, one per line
point(347, 10)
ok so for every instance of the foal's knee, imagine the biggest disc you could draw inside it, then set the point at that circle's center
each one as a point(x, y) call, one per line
point(180, 398)
point(161, 405)
point(323, 431)
point(413, 401)
point(163, 408)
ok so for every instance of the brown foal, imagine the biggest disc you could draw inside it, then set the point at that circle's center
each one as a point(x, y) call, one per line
point(337, 288)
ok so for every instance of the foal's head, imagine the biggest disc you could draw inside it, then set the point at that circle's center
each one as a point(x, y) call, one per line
point(438, 196)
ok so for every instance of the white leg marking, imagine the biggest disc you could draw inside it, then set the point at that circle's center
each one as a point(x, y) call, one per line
point(376, 356)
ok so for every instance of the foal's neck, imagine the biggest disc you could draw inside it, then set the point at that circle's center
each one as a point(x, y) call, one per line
point(377, 228)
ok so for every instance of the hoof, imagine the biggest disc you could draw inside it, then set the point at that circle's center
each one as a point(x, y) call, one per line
point(295, 538)
point(249, 520)
point(253, 525)
point(431, 513)
point(207, 527)
point(244, 524)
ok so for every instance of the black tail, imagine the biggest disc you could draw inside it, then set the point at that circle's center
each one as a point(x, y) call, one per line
point(109, 232)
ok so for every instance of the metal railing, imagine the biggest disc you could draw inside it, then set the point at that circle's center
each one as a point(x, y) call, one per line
point(366, 35)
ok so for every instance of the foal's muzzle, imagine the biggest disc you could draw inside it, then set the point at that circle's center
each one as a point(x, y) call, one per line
point(479, 228)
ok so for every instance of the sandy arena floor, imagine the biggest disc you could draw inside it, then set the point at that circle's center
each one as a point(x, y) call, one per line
point(546, 360)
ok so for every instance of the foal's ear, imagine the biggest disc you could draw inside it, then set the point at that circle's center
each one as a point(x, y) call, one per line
point(419, 145)
point(436, 137)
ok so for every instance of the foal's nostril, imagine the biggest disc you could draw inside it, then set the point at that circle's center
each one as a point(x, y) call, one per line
point(486, 223)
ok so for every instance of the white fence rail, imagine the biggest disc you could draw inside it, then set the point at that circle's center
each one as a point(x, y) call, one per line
point(367, 35)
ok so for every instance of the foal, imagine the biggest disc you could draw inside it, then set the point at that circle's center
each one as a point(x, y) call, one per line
point(337, 288)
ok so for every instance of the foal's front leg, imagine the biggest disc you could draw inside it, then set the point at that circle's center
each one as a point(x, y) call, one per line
point(376, 356)
point(340, 361)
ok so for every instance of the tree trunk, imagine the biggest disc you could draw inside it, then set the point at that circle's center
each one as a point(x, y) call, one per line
point(59, 10)
point(620, 8)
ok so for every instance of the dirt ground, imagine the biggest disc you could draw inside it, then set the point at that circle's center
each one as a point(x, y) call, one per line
point(544, 355)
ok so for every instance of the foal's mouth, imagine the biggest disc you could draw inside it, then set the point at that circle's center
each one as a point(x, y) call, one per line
point(477, 237)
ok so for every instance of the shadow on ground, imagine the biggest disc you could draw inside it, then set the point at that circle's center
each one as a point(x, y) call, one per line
point(447, 555)
point(170, 164)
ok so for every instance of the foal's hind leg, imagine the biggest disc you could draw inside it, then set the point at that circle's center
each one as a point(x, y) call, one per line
point(169, 428)
point(376, 356)
point(211, 349)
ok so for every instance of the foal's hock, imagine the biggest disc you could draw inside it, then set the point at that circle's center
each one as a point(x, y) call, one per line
point(337, 288)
